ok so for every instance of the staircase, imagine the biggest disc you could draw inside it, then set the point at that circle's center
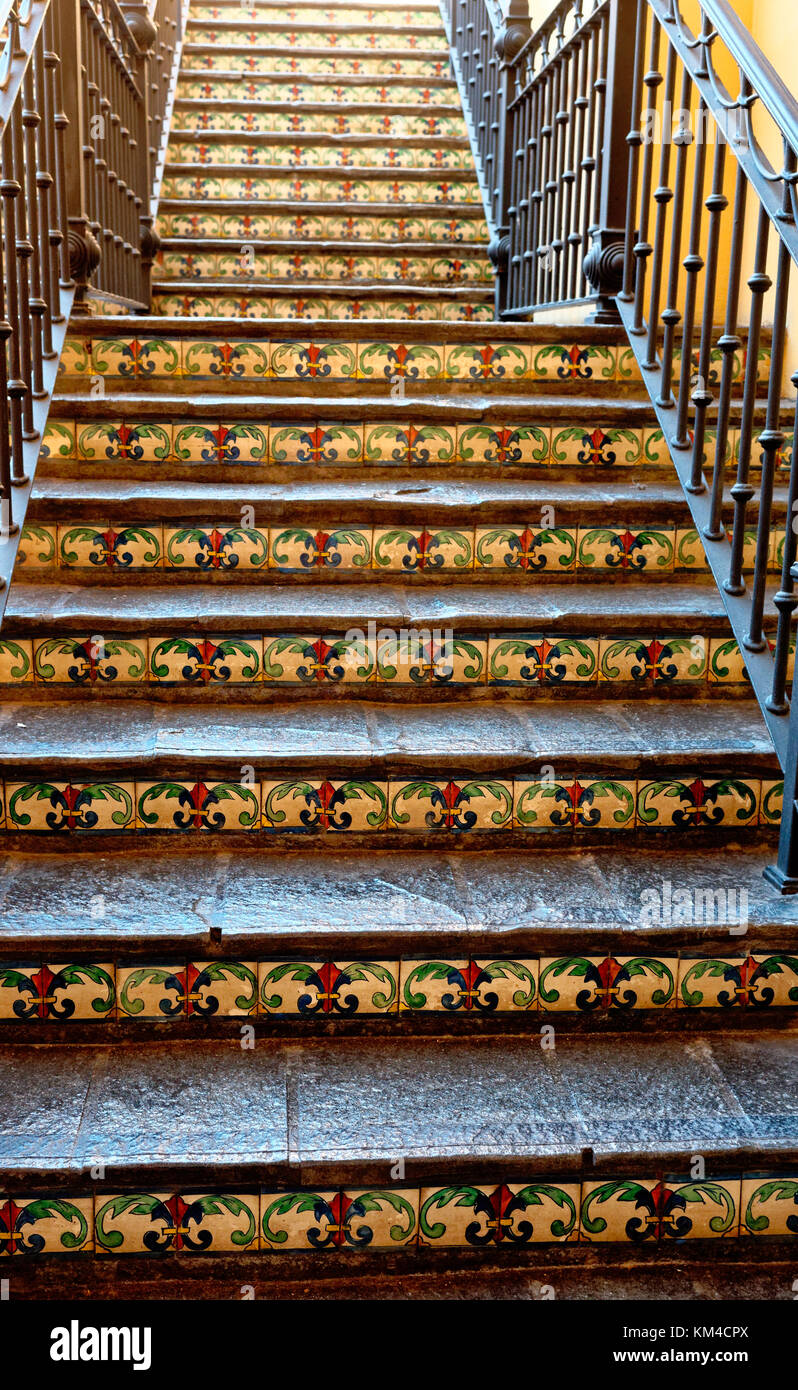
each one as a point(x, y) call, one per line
point(385, 805)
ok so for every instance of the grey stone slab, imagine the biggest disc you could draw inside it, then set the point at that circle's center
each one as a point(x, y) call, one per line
point(335, 893)
point(654, 1095)
point(444, 1100)
point(768, 1095)
point(125, 895)
point(186, 1103)
point(43, 1095)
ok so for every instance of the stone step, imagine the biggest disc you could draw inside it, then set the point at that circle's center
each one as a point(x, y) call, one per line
point(498, 774)
point(395, 62)
point(239, 85)
point(498, 357)
point(248, 185)
point(250, 1153)
point(331, 117)
point(280, 33)
point(588, 935)
point(367, 263)
point(325, 299)
point(274, 151)
point(160, 644)
point(318, 221)
point(328, 547)
point(486, 904)
point(354, 11)
point(337, 435)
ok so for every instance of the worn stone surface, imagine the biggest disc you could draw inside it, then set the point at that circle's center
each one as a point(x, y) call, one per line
point(381, 899)
point(357, 1104)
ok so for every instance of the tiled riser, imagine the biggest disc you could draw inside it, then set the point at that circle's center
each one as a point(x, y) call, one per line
point(351, 188)
point(326, 550)
point(632, 1211)
point(354, 444)
point(462, 990)
point(338, 267)
point(310, 156)
point(331, 226)
point(429, 310)
point(268, 37)
point(533, 663)
point(296, 91)
point(375, 362)
point(573, 805)
point(345, 14)
point(242, 60)
point(341, 122)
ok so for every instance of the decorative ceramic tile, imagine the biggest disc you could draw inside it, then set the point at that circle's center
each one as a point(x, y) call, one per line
point(480, 804)
point(38, 548)
point(408, 551)
point(535, 660)
point(16, 661)
point(518, 1214)
point(306, 807)
point(728, 801)
point(80, 991)
point(578, 804)
point(90, 661)
point(620, 1210)
point(139, 1223)
point(621, 549)
point(59, 806)
point(528, 550)
point(771, 802)
point(135, 359)
point(215, 1222)
point(298, 549)
point(689, 1209)
point(431, 659)
point(326, 989)
point(650, 660)
point(198, 661)
point(586, 984)
point(202, 989)
point(327, 361)
point(754, 981)
point(769, 1205)
point(120, 442)
point(197, 806)
point(380, 1219)
point(235, 360)
point(102, 547)
point(507, 445)
point(468, 986)
point(301, 1220)
point(600, 447)
point(46, 1225)
point(208, 548)
point(23, 992)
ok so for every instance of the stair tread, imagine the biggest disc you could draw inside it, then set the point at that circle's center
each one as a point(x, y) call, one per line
point(589, 608)
point(335, 1102)
point(380, 901)
point(377, 735)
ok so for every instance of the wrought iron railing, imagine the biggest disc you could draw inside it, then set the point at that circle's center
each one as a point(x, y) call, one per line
point(85, 93)
point(687, 249)
point(649, 164)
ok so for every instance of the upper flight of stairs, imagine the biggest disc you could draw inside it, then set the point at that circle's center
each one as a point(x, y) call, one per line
point(383, 803)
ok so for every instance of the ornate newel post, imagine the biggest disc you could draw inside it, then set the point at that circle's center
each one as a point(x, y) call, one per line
point(604, 263)
point(72, 126)
point(507, 45)
point(144, 34)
